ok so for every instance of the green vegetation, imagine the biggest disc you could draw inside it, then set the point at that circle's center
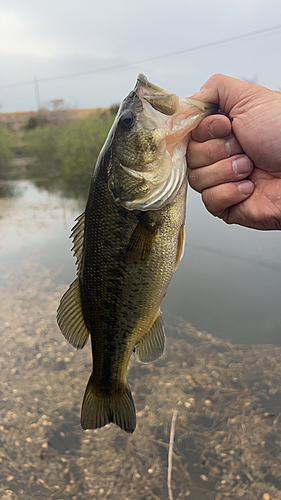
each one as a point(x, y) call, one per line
point(35, 121)
point(65, 153)
point(54, 150)
point(7, 141)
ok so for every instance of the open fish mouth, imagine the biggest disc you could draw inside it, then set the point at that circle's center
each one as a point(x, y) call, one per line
point(151, 142)
point(167, 102)
point(158, 98)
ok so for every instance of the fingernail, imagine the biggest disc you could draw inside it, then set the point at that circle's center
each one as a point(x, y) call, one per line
point(246, 187)
point(232, 146)
point(241, 165)
point(217, 127)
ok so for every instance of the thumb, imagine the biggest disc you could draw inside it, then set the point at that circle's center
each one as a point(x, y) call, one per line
point(222, 90)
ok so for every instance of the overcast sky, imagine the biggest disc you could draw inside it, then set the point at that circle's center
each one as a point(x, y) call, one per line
point(59, 38)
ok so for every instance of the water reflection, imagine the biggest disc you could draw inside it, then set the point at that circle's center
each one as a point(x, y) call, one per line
point(228, 283)
point(35, 226)
point(9, 190)
point(70, 189)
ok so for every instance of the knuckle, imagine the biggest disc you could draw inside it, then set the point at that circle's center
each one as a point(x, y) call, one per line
point(193, 153)
point(209, 199)
point(194, 180)
point(214, 150)
point(202, 131)
point(220, 198)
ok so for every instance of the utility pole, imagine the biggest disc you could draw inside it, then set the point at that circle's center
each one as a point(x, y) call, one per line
point(36, 89)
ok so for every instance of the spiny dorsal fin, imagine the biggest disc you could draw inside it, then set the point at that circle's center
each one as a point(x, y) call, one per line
point(142, 240)
point(152, 346)
point(98, 410)
point(180, 249)
point(77, 235)
point(70, 317)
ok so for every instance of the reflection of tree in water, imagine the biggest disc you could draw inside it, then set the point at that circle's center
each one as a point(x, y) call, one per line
point(9, 190)
point(66, 188)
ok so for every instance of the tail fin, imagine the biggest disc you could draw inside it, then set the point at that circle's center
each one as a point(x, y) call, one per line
point(98, 411)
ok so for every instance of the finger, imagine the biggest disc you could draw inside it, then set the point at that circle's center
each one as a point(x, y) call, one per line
point(201, 154)
point(232, 169)
point(212, 127)
point(219, 198)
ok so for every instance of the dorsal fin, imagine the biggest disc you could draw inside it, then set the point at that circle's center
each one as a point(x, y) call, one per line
point(77, 235)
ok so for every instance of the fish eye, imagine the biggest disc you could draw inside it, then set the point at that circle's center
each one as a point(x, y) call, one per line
point(127, 120)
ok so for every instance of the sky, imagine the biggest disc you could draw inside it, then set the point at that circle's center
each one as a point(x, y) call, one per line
point(70, 46)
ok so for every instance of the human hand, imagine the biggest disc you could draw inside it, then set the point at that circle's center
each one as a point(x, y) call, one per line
point(236, 165)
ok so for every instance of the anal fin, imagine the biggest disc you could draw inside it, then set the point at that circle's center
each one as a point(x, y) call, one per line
point(70, 317)
point(152, 346)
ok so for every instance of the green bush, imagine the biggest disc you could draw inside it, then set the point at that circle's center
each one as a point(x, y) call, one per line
point(31, 123)
point(7, 141)
point(42, 143)
point(68, 151)
point(79, 145)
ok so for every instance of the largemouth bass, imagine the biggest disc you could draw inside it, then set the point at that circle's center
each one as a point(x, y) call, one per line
point(128, 244)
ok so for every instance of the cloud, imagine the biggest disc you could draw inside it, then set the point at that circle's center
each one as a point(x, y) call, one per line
point(59, 38)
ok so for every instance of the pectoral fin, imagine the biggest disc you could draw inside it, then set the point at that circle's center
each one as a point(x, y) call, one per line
point(70, 317)
point(142, 240)
point(180, 249)
point(152, 346)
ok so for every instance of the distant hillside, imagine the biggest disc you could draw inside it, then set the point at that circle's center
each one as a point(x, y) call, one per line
point(18, 119)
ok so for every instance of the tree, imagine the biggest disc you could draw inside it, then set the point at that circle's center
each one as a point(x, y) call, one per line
point(56, 103)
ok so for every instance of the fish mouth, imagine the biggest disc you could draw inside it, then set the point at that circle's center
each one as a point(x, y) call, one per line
point(166, 102)
point(150, 89)
point(159, 99)
point(177, 115)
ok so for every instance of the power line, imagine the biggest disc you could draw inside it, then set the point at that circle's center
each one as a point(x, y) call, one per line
point(156, 58)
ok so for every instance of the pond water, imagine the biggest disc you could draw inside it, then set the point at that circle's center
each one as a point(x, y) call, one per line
point(220, 377)
point(228, 282)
